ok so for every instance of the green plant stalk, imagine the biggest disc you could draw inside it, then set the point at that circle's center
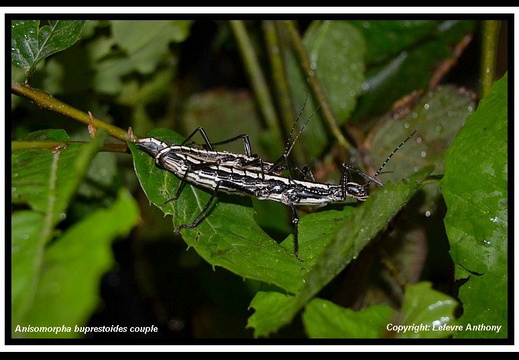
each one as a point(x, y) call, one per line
point(56, 145)
point(315, 86)
point(44, 100)
point(257, 79)
point(490, 39)
point(279, 77)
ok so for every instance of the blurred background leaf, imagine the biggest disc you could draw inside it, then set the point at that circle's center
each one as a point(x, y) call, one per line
point(47, 180)
point(382, 79)
point(66, 281)
point(405, 49)
point(45, 278)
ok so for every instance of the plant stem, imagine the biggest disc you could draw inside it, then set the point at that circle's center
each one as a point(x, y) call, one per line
point(315, 86)
point(257, 79)
point(489, 54)
point(46, 101)
point(280, 79)
point(55, 145)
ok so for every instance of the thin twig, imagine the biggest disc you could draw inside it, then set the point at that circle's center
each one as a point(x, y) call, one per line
point(57, 145)
point(44, 100)
point(279, 78)
point(257, 79)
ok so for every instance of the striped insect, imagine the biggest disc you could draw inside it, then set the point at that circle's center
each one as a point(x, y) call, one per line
point(249, 175)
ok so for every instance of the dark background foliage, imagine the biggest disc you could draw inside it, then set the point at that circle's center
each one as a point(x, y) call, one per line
point(377, 80)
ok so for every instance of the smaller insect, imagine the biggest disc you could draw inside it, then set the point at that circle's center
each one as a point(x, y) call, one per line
point(249, 175)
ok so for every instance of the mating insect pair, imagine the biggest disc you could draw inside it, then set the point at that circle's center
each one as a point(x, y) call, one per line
point(249, 175)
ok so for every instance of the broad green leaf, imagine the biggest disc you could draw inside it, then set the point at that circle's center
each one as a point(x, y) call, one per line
point(273, 306)
point(385, 39)
point(344, 245)
point(437, 117)
point(66, 284)
point(324, 319)
point(31, 43)
point(475, 188)
point(144, 45)
point(402, 56)
point(26, 243)
point(425, 313)
point(431, 310)
point(358, 230)
point(45, 179)
point(336, 53)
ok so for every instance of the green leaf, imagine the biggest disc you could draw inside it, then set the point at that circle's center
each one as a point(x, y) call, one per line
point(46, 180)
point(324, 319)
point(437, 116)
point(67, 275)
point(26, 242)
point(68, 267)
point(402, 56)
point(425, 313)
point(31, 43)
point(277, 304)
point(340, 247)
point(143, 44)
point(429, 313)
point(387, 38)
point(336, 52)
point(475, 188)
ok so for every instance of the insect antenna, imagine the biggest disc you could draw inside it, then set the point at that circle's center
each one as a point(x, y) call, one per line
point(289, 149)
point(291, 143)
point(377, 173)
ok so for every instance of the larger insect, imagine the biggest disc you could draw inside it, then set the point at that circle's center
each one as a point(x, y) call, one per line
point(249, 175)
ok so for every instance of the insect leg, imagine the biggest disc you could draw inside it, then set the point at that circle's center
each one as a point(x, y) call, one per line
point(179, 190)
point(295, 223)
point(204, 135)
point(200, 216)
point(246, 143)
point(210, 146)
point(305, 173)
